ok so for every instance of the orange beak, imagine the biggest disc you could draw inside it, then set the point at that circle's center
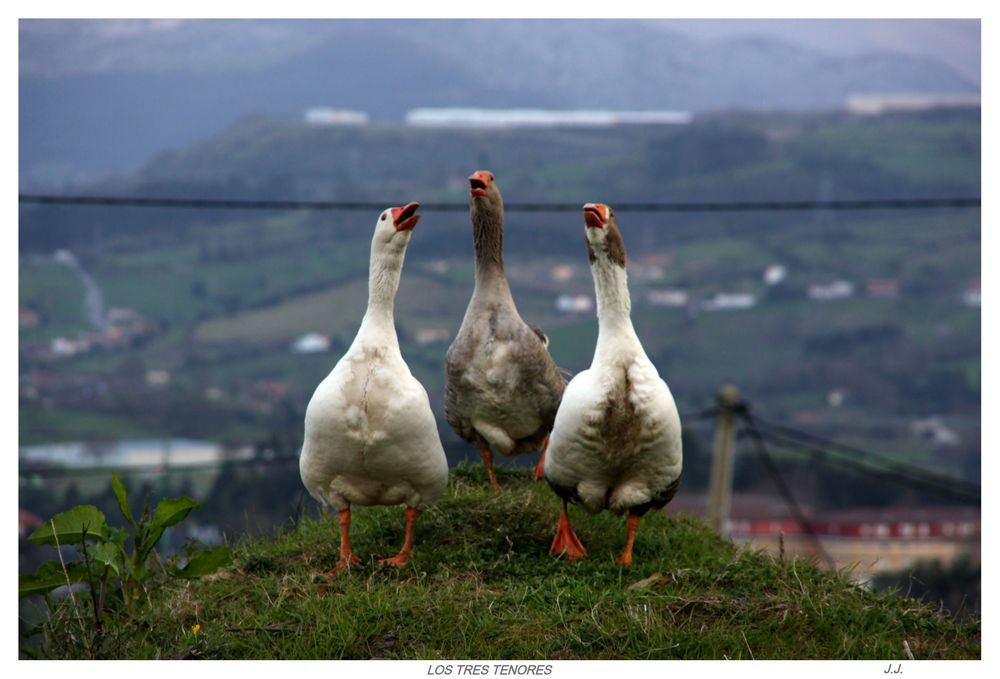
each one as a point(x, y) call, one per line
point(595, 215)
point(404, 218)
point(479, 183)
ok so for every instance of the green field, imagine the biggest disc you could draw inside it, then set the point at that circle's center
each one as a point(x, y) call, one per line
point(56, 293)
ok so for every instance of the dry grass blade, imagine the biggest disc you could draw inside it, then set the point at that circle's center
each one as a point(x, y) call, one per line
point(748, 644)
point(645, 582)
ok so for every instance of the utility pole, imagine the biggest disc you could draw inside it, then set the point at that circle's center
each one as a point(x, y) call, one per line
point(720, 487)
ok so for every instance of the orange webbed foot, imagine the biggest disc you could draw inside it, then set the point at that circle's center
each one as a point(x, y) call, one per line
point(398, 560)
point(403, 557)
point(565, 542)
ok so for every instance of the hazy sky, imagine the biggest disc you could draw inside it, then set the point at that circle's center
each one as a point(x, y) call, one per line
point(954, 41)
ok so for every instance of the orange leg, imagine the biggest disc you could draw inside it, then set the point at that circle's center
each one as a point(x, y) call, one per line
point(632, 523)
point(347, 557)
point(566, 541)
point(540, 467)
point(488, 461)
point(404, 554)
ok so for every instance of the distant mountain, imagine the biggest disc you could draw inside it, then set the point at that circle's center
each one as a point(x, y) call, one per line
point(99, 97)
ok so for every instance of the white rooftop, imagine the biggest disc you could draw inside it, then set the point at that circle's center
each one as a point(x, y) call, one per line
point(524, 117)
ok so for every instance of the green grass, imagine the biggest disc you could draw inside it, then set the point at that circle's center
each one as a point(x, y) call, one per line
point(481, 585)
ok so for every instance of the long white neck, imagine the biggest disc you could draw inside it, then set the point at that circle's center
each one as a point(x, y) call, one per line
point(383, 282)
point(614, 307)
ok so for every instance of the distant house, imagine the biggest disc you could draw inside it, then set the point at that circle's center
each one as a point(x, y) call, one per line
point(27, 317)
point(836, 396)
point(273, 390)
point(501, 118)
point(655, 259)
point(896, 538)
point(651, 266)
point(668, 298)
point(321, 115)
point(972, 296)
point(123, 454)
point(438, 266)
point(262, 397)
point(774, 274)
point(884, 288)
point(574, 304)
point(65, 257)
point(934, 430)
point(311, 343)
point(830, 291)
point(561, 273)
point(730, 301)
point(425, 336)
point(63, 347)
point(648, 272)
point(158, 378)
point(27, 522)
point(864, 540)
point(877, 104)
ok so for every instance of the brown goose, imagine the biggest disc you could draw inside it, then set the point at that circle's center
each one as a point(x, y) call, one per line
point(502, 388)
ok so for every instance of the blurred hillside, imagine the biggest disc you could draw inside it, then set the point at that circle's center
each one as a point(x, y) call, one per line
point(866, 327)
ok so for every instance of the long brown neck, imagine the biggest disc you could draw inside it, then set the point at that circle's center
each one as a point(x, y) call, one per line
point(487, 237)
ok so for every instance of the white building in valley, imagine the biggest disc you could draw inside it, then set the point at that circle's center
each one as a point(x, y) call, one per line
point(730, 301)
point(574, 304)
point(668, 298)
point(124, 455)
point(321, 115)
point(522, 117)
point(825, 292)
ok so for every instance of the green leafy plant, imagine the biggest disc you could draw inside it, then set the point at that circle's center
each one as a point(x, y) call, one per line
point(105, 557)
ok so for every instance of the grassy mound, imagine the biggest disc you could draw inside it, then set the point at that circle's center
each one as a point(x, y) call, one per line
point(481, 585)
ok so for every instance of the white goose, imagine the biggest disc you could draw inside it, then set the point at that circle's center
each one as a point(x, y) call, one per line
point(616, 441)
point(370, 435)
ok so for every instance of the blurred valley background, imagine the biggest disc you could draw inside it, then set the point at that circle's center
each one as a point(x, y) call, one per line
point(179, 346)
